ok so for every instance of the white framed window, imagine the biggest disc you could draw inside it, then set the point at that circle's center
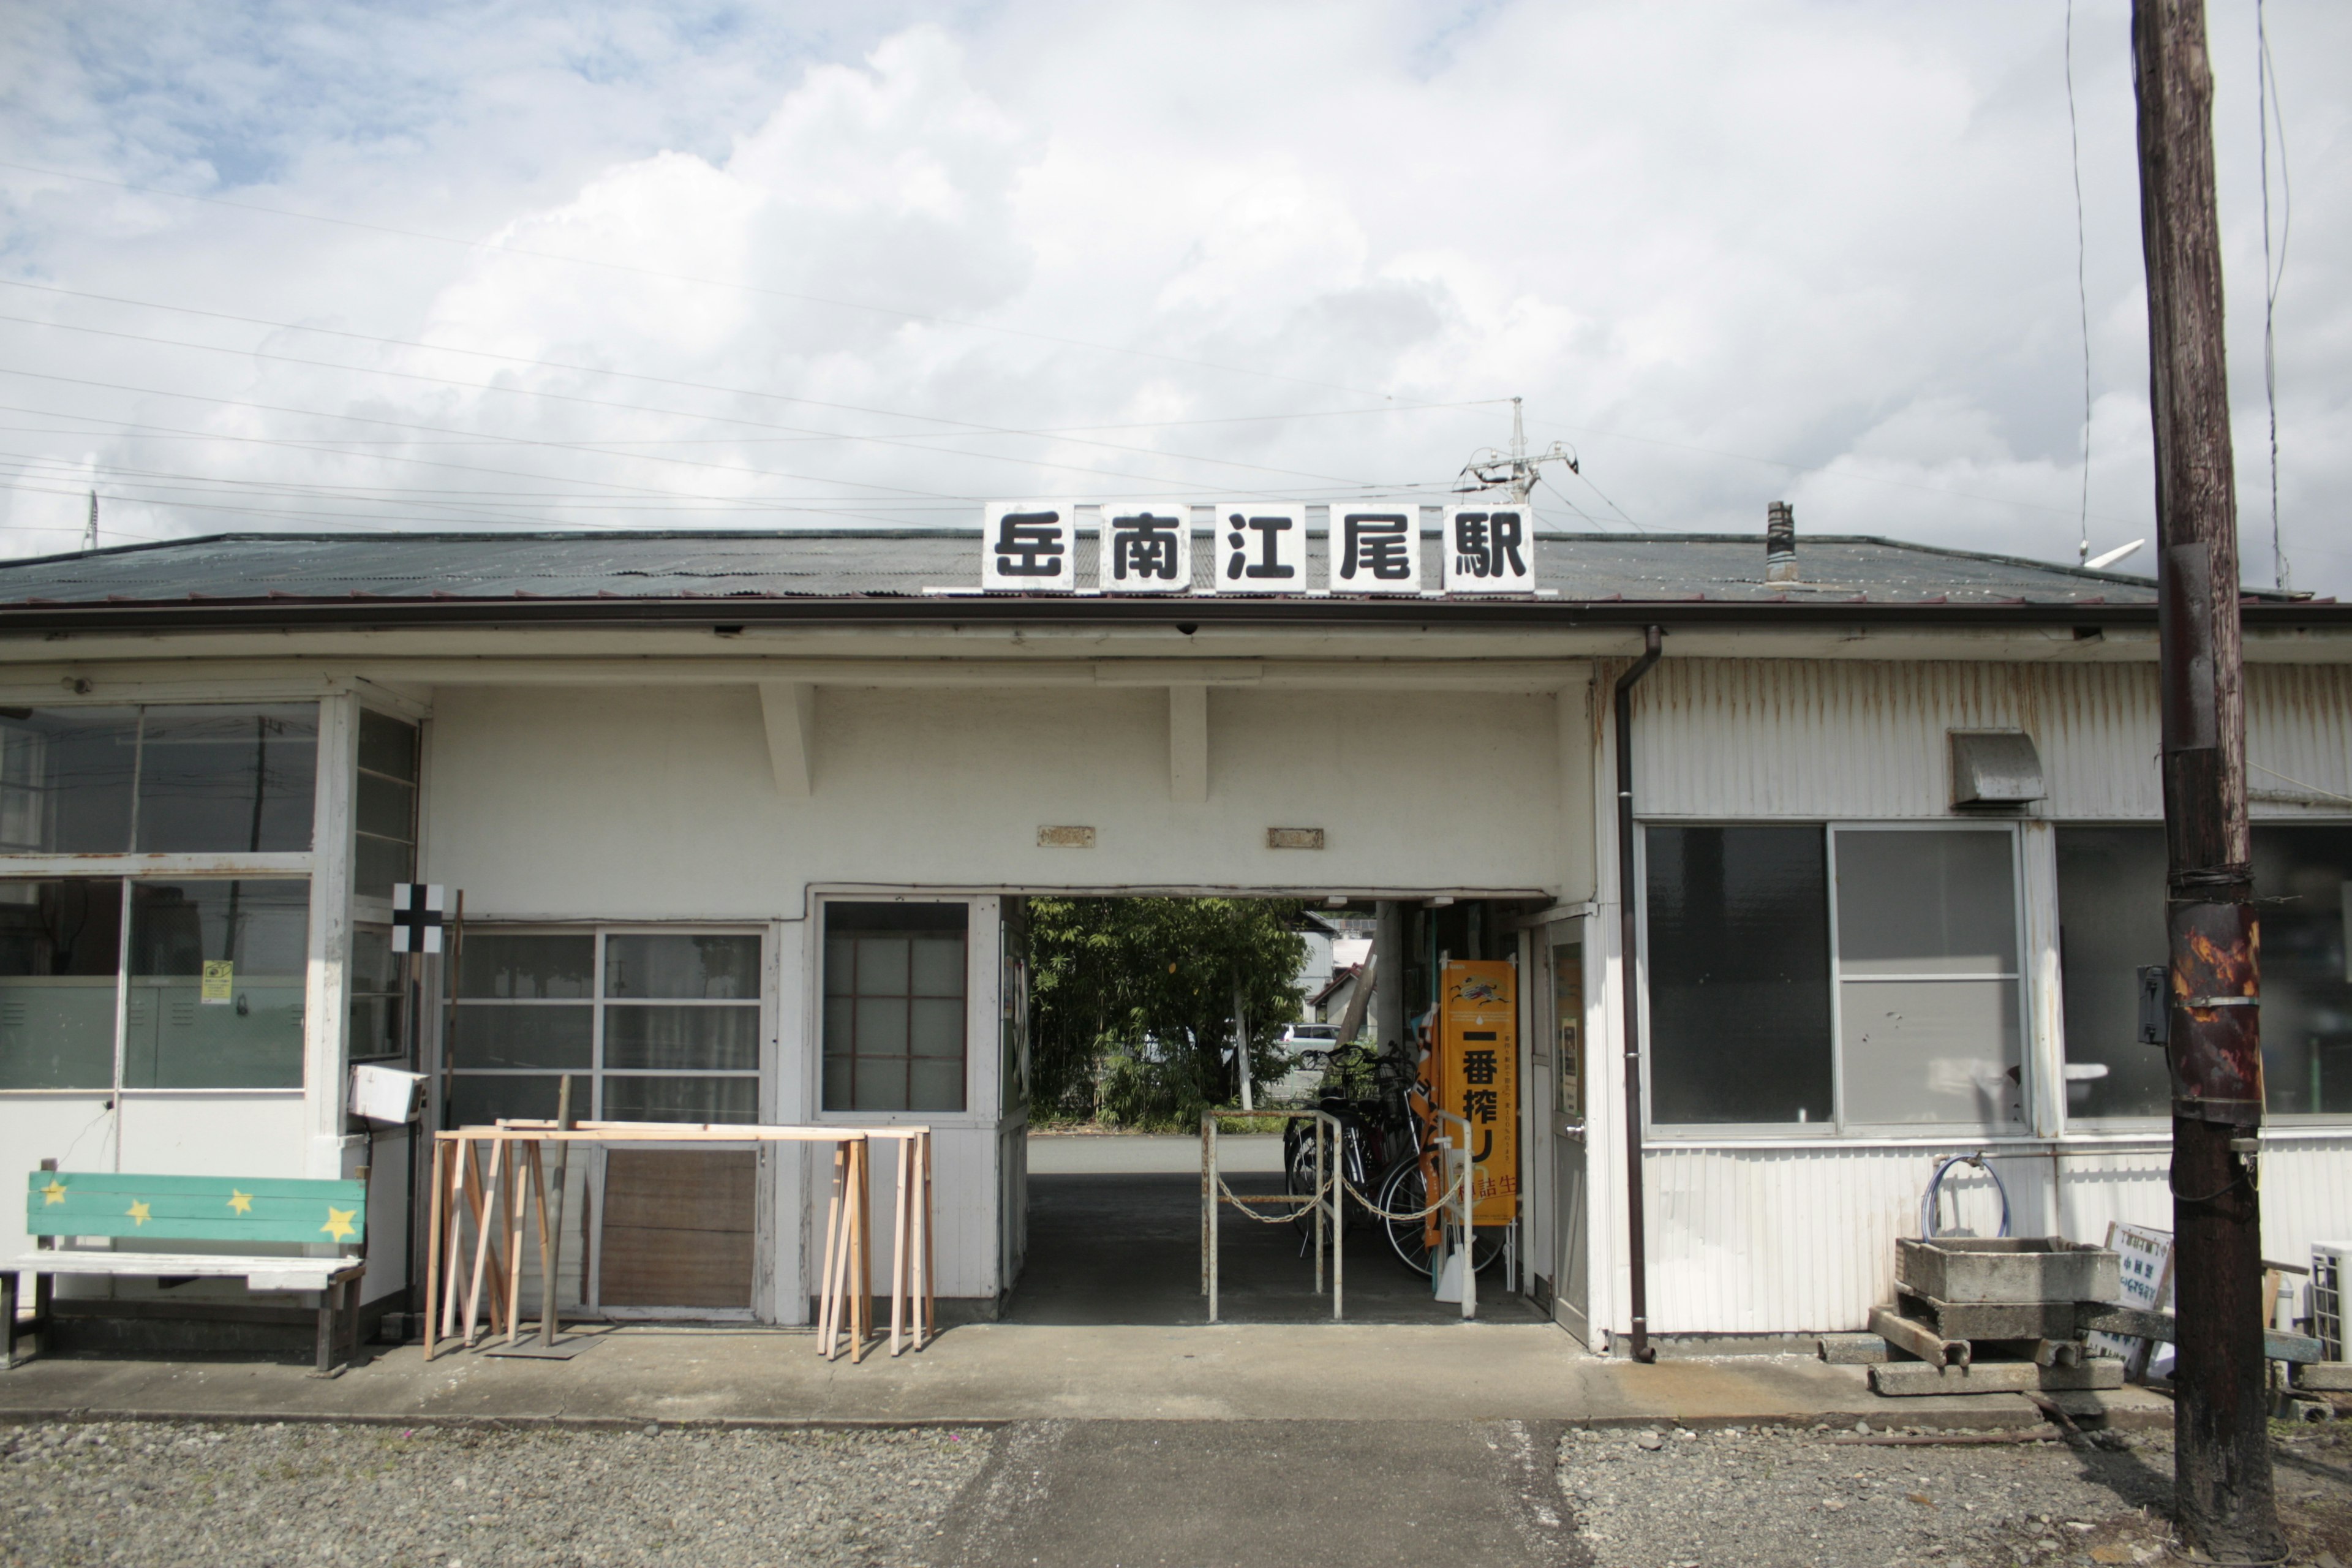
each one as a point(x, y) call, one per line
point(2111, 923)
point(896, 1005)
point(1833, 976)
point(653, 1022)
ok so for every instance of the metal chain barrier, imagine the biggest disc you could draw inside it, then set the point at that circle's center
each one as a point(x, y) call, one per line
point(1374, 1209)
point(1306, 1206)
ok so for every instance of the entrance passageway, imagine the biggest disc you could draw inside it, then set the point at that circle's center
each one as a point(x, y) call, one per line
point(1114, 1237)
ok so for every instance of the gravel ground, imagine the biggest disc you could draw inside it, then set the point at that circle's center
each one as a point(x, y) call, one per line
point(1772, 1496)
point(145, 1493)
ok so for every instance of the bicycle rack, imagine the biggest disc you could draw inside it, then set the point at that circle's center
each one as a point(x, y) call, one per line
point(1326, 1200)
point(1330, 1203)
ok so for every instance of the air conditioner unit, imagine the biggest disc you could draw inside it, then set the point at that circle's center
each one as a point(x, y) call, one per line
point(2331, 1268)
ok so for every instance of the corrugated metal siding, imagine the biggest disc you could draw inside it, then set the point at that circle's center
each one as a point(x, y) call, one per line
point(1789, 738)
point(1758, 1238)
point(1801, 1240)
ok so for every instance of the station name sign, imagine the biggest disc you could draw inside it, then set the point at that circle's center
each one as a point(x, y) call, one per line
point(1031, 547)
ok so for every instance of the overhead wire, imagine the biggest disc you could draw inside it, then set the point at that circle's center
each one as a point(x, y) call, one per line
point(796, 431)
point(623, 266)
point(2266, 105)
point(964, 426)
point(2081, 289)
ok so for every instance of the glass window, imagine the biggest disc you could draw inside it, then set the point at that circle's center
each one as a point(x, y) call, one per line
point(2110, 926)
point(532, 967)
point(384, 847)
point(375, 996)
point(60, 946)
point(1927, 975)
point(894, 1007)
point(216, 981)
point(221, 780)
point(2304, 876)
point(66, 778)
point(662, 1026)
point(1738, 966)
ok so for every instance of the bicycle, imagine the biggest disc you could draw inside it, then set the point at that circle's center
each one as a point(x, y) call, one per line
point(1385, 1132)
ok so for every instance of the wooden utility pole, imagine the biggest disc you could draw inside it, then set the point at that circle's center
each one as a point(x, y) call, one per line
point(2221, 1467)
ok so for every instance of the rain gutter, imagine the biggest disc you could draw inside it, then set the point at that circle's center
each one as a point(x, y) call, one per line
point(1630, 1000)
point(197, 613)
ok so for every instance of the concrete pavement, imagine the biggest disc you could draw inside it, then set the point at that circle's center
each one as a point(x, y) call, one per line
point(1270, 1494)
point(1007, 1371)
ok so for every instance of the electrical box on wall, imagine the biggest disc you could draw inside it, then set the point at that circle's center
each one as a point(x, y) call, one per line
point(1995, 767)
point(385, 1094)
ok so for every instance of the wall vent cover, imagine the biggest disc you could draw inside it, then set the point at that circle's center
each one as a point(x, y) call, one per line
point(1995, 767)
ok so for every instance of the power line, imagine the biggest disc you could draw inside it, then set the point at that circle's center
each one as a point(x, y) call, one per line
point(797, 431)
point(688, 278)
point(2082, 290)
point(2266, 107)
point(960, 425)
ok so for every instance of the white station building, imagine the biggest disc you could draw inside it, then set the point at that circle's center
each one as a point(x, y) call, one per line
point(743, 825)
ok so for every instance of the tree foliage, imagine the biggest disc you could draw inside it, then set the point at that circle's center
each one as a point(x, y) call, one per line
point(1132, 1013)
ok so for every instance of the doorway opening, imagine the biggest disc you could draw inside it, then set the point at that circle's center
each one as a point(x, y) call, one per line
point(1136, 1014)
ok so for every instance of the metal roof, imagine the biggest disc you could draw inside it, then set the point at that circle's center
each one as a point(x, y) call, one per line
point(338, 578)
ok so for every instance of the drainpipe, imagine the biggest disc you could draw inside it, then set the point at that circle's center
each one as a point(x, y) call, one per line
point(1628, 903)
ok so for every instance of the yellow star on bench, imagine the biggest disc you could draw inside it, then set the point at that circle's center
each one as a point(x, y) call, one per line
point(138, 1212)
point(241, 1202)
point(55, 1192)
point(338, 1224)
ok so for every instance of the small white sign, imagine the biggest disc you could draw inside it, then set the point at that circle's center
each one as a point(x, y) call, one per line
point(1260, 548)
point(1490, 549)
point(1375, 547)
point(1146, 547)
point(418, 913)
point(1026, 547)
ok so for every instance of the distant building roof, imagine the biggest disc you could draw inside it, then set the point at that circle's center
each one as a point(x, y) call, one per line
point(876, 574)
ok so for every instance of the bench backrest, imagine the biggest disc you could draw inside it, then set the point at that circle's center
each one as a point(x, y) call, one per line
point(196, 1208)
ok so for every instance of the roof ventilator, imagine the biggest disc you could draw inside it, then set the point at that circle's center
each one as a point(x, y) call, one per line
point(1780, 543)
point(1995, 768)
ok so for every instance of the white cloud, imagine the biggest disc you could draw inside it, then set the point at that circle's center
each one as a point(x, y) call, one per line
point(1735, 252)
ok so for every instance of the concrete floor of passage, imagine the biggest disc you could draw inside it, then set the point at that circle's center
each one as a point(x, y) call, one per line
point(1125, 1248)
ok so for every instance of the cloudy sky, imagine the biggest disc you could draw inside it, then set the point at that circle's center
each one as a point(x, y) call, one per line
point(500, 266)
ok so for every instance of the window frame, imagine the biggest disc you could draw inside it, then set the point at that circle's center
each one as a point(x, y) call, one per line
point(1840, 1125)
point(127, 882)
point(763, 1075)
point(2141, 1126)
point(983, 1088)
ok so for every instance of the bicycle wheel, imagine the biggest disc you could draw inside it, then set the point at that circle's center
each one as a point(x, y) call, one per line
point(1402, 1192)
point(1298, 1172)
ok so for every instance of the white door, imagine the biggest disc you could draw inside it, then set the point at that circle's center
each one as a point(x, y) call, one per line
point(1561, 999)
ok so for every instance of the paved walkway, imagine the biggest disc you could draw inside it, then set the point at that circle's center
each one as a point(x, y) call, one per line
point(1005, 1372)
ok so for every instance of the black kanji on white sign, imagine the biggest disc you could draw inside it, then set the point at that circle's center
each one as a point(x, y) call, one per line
point(1146, 549)
point(1026, 546)
point(1377, 550)
point(1265, 549)
point(417, 916)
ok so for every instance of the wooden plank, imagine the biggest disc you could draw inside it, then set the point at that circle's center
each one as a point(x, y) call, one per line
point(2277, 1346)
point(196, 1209)
point(826, 1297)
point(433, 1246)
point(196, 1264)
point(679, 1228)
point(133, 1184)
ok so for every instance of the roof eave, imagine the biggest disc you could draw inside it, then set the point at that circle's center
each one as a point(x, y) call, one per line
point(283, 614)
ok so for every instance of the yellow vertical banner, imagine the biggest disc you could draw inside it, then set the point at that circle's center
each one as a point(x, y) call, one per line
point(1475, 1071)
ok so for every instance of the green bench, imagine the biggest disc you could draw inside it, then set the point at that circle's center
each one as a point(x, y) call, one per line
point(250, 1212)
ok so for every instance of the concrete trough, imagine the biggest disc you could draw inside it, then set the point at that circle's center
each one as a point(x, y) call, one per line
point(1969, 1270)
